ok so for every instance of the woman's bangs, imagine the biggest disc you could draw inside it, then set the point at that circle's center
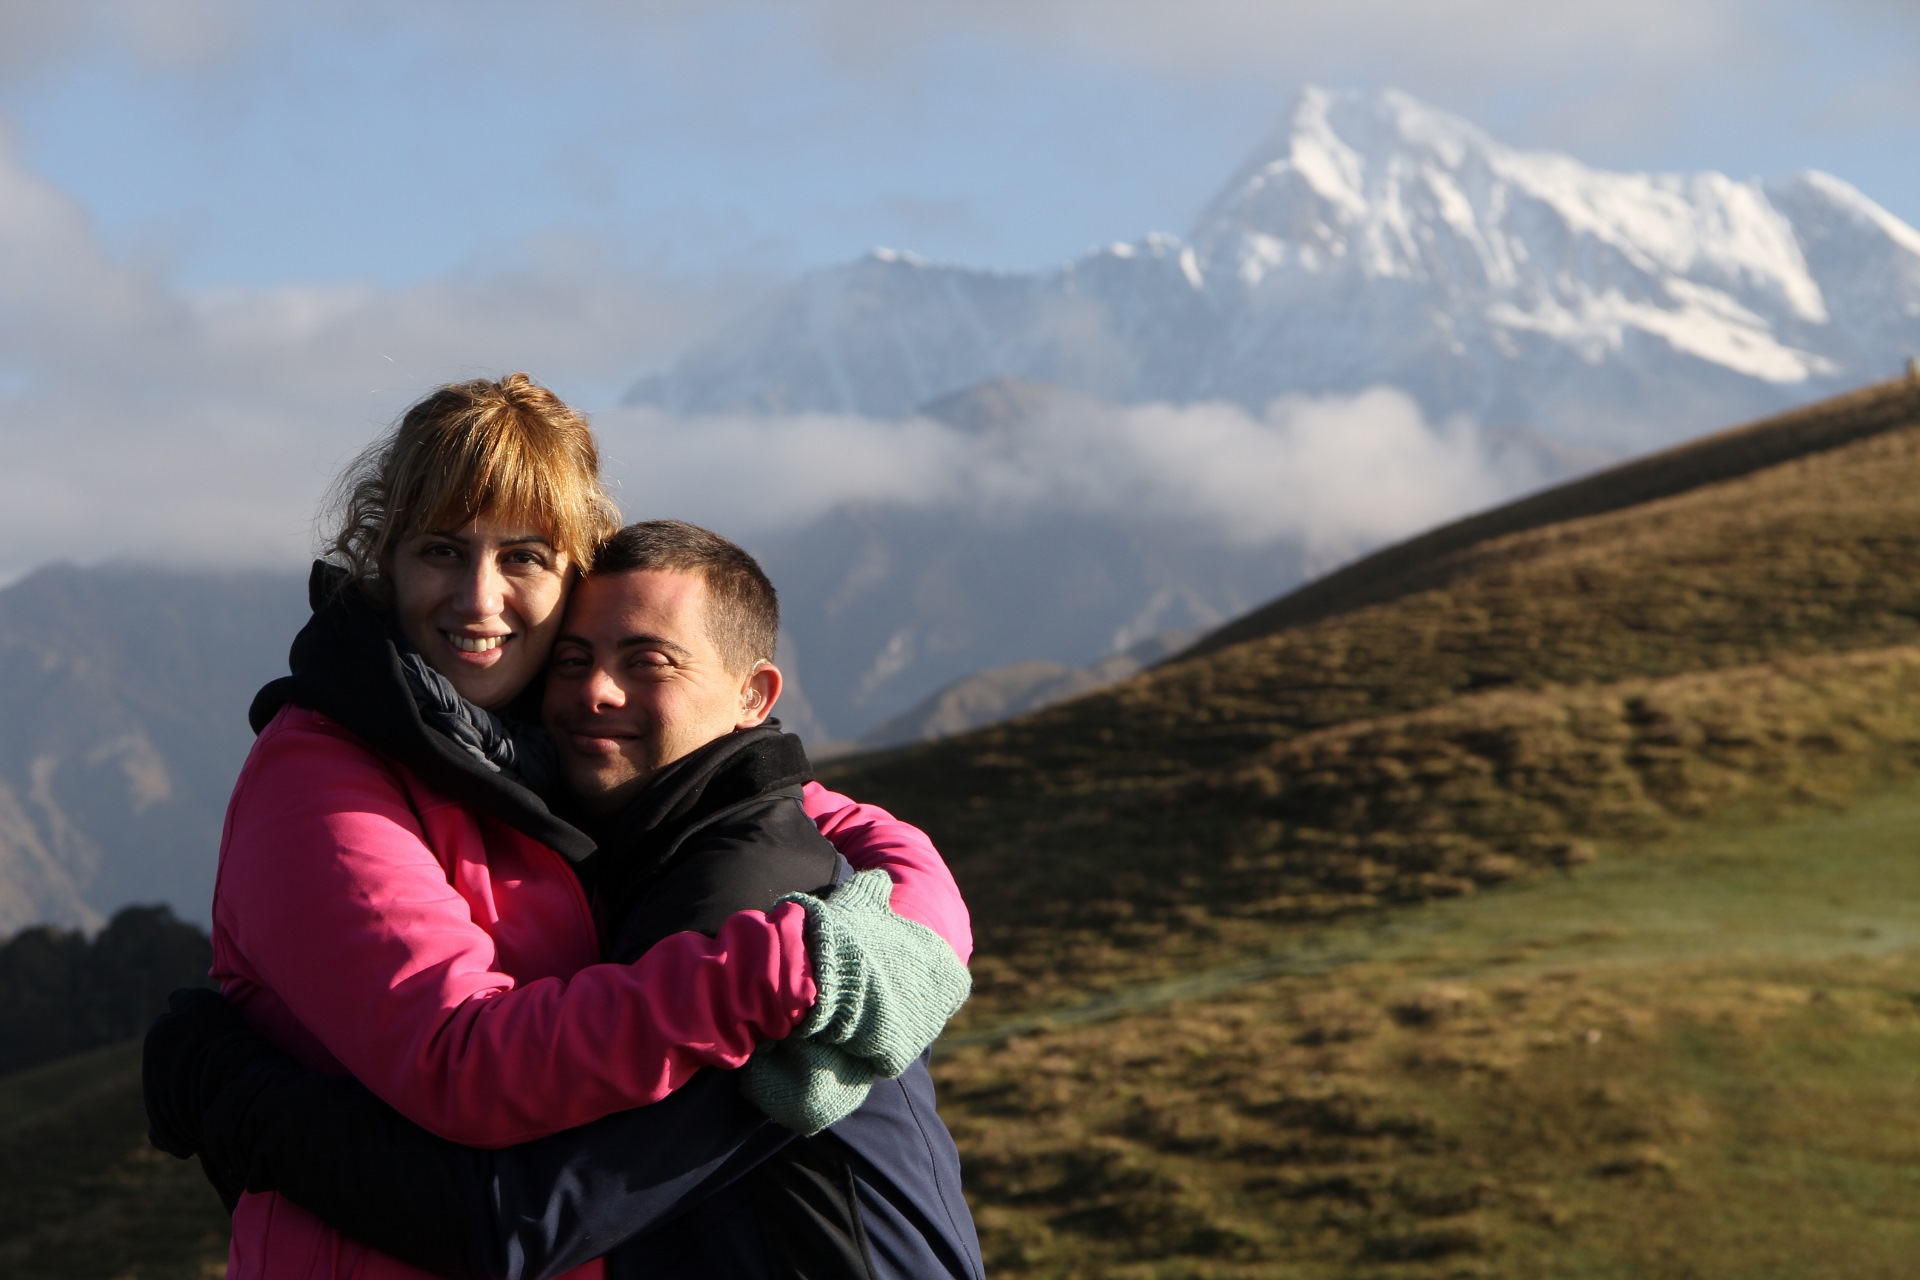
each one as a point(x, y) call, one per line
point(504, 476)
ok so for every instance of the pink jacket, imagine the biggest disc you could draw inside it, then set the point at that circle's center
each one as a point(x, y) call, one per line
point(371, 926)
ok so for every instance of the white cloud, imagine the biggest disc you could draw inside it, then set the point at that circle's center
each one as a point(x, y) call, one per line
point(1335, 474)
point(141, 419)
point(36, 35)
point(138, 418)
point(1463, 48)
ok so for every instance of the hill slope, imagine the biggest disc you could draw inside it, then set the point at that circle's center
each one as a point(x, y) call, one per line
point(1693, 1060)
point(1243, 1003)
point(1469, 713)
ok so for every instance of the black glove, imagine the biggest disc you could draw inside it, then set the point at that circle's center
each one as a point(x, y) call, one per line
point(193, 1051)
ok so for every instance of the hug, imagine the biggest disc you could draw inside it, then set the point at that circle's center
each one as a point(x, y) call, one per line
point(542, 952)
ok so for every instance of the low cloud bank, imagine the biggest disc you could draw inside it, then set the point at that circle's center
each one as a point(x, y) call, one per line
point(1335, 474)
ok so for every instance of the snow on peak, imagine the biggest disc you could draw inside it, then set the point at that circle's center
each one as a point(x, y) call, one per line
point(1851, 203)
point(1369, 239)
point(1382, 187)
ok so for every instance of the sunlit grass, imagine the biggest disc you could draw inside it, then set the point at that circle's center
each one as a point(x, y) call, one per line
point(1699, 1057)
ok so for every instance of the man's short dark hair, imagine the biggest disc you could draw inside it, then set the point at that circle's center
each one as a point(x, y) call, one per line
point(743, 613)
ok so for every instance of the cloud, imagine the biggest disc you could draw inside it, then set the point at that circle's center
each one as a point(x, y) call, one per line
point(1334, 474)
point(195, 426)
point(137, 418)
point(37, 35)
point(1465, 47)
point(924, 216)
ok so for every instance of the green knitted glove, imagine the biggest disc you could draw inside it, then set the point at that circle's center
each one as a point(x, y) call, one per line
point(887, 985)
point(805, 1085)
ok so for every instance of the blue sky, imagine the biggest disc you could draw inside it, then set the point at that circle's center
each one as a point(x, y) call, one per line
point(235, 239)
point(336, 142)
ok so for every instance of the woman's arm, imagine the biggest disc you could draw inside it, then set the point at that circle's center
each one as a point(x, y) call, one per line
point(346, 919)
point(868, 837)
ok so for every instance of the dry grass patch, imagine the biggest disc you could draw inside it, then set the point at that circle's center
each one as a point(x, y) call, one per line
point(1565, 1123)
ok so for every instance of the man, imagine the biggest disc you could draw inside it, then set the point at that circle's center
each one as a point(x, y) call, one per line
point(656, 700)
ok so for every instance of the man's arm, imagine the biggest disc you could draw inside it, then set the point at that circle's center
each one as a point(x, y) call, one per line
point(526, 1212)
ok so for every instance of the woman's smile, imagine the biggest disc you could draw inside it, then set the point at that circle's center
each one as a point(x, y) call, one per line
point(476, 645)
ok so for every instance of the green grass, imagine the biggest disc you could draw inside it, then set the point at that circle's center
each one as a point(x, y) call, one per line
point(1696, 1057)
point(82, 1196)
point(1815, 887)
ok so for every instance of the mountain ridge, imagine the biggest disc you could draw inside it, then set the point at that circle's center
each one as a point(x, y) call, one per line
point(124, 690)
point(1373, 240)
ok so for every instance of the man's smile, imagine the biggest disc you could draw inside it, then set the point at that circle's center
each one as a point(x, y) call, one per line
point(596, 739)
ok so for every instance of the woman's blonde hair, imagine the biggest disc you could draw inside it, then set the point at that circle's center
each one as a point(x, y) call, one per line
point(510, 450)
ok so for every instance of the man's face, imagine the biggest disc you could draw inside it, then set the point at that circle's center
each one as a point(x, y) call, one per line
point(636, 682)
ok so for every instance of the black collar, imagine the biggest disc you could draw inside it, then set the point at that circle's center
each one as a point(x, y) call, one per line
point(639, 840)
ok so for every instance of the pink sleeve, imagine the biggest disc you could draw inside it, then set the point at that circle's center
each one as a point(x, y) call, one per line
point(345, 917)
point(869, 837)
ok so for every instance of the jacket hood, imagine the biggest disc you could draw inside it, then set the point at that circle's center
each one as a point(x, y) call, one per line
point(346, 664)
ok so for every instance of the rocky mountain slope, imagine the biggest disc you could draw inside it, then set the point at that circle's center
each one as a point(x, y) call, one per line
point(123, 694)
point(1373, 240)
point(1000, 693)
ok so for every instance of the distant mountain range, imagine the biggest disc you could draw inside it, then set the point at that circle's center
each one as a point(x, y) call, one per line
point(1574, 316)
point(1373, 240)
point(1000, 693)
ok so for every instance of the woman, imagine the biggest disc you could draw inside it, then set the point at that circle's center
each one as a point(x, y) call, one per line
point(395, 903)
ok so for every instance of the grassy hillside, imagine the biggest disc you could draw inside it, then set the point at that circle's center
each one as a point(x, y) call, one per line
point(1695, 1058)
point(82, 1196)
point(1745, 640)
point(1533, 898)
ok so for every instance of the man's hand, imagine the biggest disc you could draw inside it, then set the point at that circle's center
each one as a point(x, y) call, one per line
point(804, 1084)
point(193, 1051)
point(887, 987)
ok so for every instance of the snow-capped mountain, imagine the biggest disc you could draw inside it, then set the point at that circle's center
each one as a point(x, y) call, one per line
point(1374, 240)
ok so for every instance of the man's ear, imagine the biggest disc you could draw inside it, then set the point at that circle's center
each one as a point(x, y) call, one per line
point(758, 693)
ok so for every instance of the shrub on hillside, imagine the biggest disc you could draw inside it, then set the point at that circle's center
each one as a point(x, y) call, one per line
point(61, 992)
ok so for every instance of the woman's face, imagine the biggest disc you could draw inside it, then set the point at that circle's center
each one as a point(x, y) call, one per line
point(482, 603)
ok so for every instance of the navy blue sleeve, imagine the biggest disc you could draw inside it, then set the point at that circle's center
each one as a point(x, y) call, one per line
point(521, 1213)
